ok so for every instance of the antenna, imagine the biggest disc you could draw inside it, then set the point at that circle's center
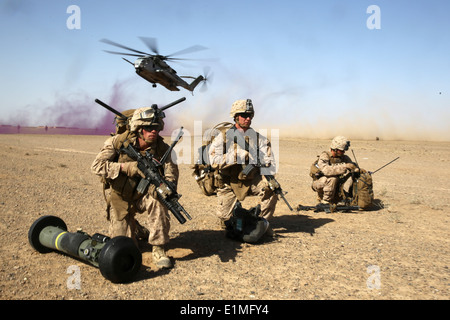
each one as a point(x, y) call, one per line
point(355, 158)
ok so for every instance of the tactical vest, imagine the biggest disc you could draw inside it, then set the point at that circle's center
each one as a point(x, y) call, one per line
point(123, 187)
point(315, 172)
point(232, 175)
point(210, 178)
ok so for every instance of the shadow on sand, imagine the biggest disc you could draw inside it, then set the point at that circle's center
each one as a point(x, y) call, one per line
point(205, 243)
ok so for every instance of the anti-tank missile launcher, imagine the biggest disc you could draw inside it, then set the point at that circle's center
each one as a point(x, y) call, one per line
point(118, 258)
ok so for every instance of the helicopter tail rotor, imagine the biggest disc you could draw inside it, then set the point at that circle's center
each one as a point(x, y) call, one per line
point(207, 79)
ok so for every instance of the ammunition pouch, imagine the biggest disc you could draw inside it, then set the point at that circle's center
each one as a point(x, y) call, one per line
point(315, 172)
point(248, 172)
point(126, 187)
point(207, 178)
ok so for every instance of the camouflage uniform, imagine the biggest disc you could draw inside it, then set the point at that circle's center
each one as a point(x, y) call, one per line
point(330, 170)
point(122, 220)
point(229, 157)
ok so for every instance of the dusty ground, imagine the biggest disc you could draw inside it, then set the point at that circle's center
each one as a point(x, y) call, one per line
point(400, 251)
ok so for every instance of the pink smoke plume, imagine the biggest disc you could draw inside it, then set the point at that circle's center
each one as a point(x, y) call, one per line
point(77, 110)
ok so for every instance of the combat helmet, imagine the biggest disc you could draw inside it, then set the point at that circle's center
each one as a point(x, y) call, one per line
point(242, 106)
point(340, 142)
point(146, 117)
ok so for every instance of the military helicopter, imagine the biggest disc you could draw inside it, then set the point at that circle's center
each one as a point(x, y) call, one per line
point(153, 67)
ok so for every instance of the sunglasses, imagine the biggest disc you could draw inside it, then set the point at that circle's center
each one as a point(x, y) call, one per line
point(151, 128)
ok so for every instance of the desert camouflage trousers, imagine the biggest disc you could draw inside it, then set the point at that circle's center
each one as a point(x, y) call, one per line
point(326, 187)
point(227, 199)
point(156, 220)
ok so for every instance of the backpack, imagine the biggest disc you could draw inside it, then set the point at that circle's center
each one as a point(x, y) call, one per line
point(122, 124)
point(363, 190)
point(246, 225)
point(204, 173)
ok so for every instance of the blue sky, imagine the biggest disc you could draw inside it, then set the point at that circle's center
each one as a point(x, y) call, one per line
point(312, 68)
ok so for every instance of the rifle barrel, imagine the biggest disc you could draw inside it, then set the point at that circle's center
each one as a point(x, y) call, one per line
point(287, 203)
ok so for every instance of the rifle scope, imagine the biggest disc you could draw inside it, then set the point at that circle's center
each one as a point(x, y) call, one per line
point(118, 258)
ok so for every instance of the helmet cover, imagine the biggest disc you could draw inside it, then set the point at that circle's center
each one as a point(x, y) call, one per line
point(242, 106)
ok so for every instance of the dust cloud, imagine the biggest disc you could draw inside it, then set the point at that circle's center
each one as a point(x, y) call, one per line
point(291, 111)
point(378, 124)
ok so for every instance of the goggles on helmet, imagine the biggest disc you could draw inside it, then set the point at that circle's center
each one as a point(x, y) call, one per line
point(150, 114)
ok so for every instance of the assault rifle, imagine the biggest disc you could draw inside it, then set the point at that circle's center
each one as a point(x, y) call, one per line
point(276, 188)
point(273, 183)
point(165, 190)
point(328, 208)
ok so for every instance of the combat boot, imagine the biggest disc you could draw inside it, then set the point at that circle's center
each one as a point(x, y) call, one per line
point(141, 233)
point(160, 258)
point(270, 232)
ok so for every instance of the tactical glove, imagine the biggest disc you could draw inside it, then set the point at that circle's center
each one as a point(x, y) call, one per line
point(131, 169)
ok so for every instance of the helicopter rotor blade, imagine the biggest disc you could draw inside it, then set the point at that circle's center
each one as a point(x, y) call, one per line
point(121, 46)
point(125, 54)
point(151, 43)
point(128, 61)
point(178, 59)
point(187, 50)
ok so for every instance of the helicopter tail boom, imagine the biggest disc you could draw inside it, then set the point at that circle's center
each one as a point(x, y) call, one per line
point(195, 82)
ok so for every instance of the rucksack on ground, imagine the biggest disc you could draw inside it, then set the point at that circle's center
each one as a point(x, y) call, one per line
point(363, 190)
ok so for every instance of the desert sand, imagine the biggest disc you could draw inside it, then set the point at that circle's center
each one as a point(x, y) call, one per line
point(398, 251)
